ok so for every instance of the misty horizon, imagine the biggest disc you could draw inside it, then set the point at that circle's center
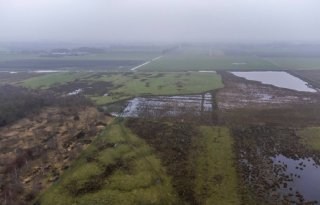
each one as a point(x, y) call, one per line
point(142, 21)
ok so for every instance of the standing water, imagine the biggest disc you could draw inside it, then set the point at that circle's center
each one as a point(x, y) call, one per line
point(304, 177)
point(277, 78)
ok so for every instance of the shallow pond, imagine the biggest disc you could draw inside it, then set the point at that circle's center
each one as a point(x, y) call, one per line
point(168, 105)
point(277, 78)
point(305, 176)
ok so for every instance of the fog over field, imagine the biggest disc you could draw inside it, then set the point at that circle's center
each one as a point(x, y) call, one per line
point(159, 21)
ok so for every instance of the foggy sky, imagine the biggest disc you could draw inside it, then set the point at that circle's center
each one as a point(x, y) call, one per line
point(159, 20)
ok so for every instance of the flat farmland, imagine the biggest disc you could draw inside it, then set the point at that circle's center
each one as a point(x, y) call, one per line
point(195, 59)
point(199, 62)
point(120, 60)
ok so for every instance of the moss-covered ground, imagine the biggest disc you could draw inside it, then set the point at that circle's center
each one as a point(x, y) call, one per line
point(118, 168)
point(216, 179)
point(311, 137)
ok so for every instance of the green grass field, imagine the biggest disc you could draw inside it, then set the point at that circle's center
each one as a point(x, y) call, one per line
point(128, 85)
point(52, 79)
point(196, 62)
point(300, 63)
point(117, 168)
point(205, 62)
point(216, 179)
point(138, 84)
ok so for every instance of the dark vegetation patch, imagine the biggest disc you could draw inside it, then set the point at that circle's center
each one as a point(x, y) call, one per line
point(95, 182)
point(16, 102)
point(40, 134)
point(159, 75)
point(173, 142)
point(179, 84)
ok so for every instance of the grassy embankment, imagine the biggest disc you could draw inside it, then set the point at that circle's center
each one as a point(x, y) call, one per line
point(118, 168)
point(216, 180)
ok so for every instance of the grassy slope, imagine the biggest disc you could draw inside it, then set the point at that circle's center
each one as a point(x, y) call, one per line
point(311, 137)
point(159, 84)
point(139, 180)
point(216, 177)
point(46, 81)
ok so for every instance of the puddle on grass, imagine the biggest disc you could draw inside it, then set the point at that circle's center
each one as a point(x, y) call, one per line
point(303, 177)
point(168, 106)
point(75, 92)
point(277, 78)
point(48, 71)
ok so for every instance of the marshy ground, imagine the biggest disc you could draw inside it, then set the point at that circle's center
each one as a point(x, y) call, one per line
point(237, 152)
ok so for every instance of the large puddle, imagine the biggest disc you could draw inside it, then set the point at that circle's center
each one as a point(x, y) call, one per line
point(277, 78)
point(303, 177)
point(168, 106)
